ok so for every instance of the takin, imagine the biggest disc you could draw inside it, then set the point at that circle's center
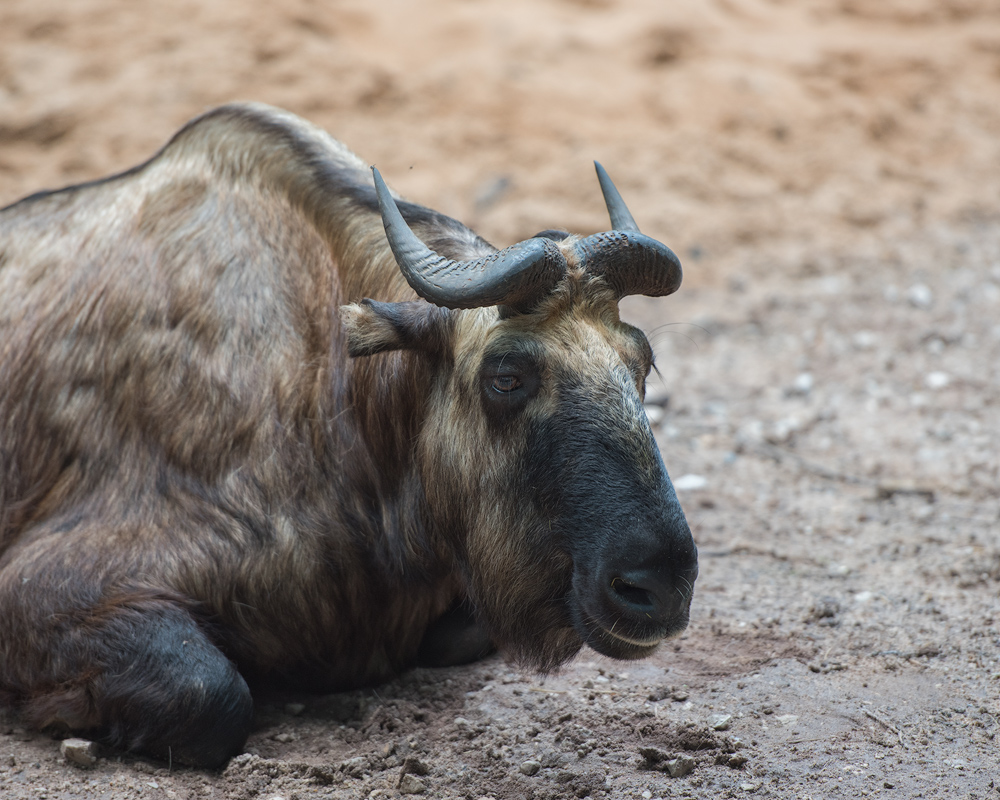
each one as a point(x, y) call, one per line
point(261, 421)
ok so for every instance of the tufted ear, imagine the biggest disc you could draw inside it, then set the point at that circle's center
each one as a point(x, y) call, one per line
point(373, 327)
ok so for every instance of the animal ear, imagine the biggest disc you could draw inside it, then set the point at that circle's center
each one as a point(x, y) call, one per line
point(373, 327)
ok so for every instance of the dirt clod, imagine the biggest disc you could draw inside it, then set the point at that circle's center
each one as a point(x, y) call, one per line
point(734, 760)
point(410, 784)
point(413, 765)
point(652, 756)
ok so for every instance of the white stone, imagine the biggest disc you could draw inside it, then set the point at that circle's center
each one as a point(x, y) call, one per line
point(864, 340)
point(654, 414)
point(687, 483)
point(679, 767)
point(937, 380)
point(81, 752)
point(804, 383)
point(920, 296)
point(720, 722)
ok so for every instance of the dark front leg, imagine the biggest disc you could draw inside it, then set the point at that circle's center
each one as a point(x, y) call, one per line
point(174, 695)
point(454, 638)
point(137, 673)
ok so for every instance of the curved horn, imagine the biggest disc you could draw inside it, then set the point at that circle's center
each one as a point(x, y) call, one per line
point(621, 219)
point(629, 261)
point(516, 276)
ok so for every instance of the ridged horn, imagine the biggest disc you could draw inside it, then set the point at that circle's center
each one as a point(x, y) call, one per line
point(628, 260)
point(516, 277)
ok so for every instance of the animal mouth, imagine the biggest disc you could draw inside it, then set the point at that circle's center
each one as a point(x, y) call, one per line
point(625, 612)
point(617, 640)
point(622, 632)
point(616, 645)
point(650, 642)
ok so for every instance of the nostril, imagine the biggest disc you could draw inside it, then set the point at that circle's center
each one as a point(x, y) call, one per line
point(631, 594)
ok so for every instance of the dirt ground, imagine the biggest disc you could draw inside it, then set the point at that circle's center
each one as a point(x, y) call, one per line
point(829, 172)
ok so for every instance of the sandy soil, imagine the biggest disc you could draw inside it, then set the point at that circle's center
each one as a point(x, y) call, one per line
point(829, 172)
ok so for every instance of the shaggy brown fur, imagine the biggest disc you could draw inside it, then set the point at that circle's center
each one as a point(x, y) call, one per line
point(198, 482)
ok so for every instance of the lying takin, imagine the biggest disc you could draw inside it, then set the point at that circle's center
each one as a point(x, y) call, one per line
point(260, 420)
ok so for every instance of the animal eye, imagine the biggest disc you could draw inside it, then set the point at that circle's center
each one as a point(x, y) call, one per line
point(508, 382)
point(505, 383)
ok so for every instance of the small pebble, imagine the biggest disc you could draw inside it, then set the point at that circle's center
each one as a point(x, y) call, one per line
point(803, 383)
point(937, 380)
point(679, 695)
point(81, 752)
point(864, 340)
point(411, 784)
point(679, 767)
point(920, 296)
point(720, 722)
point(530, 767)
point(687, 483)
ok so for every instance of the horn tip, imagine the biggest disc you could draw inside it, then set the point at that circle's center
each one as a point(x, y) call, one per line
point(382, 192)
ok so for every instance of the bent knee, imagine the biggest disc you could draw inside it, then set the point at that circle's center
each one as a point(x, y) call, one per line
point(179, 698)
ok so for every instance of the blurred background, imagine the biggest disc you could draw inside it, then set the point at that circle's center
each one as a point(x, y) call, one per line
point(725, 123)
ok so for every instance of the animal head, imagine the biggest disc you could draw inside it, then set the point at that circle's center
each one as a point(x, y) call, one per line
point(536, 454)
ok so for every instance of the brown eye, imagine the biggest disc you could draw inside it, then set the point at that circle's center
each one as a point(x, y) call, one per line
point(505, 383)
